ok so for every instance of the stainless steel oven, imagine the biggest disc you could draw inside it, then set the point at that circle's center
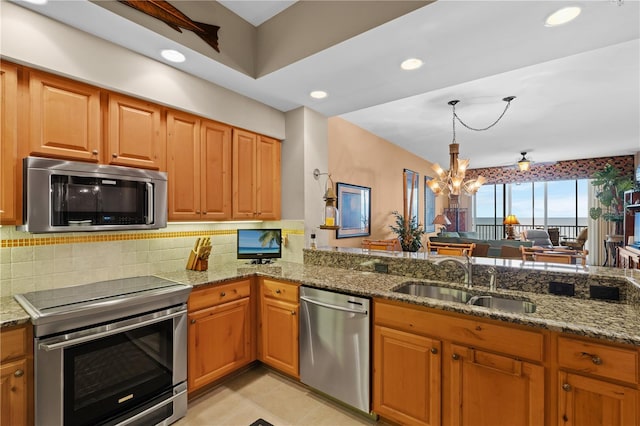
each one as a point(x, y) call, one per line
point(110, 353)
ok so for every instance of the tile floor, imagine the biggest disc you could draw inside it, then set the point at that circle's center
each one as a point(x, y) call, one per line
point(262, 393)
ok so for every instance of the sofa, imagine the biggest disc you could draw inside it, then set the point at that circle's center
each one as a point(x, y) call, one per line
point(484, 248)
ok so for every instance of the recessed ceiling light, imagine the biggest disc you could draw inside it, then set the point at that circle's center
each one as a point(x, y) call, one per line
point(318, 94)
point(411, 64)
point(172, 55)
point(36, 1)
point(562, 16)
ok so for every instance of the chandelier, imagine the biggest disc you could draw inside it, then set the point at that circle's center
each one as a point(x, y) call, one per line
point(452, 182)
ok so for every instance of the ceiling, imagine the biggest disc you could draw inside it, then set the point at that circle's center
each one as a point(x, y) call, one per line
point(577, 86)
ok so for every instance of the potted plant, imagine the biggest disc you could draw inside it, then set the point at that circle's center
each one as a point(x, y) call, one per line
point(409, 232)
point(610, 187)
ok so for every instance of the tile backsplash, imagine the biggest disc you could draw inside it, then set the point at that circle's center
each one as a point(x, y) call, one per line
point(30, 262)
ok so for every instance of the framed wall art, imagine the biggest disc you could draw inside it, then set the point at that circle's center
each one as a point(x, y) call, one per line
point(354, 205)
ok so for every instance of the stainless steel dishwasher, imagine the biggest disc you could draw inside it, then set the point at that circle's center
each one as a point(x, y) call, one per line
point(334, 345)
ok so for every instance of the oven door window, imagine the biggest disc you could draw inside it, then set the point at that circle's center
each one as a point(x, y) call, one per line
point(105, 377)
point(79, 200)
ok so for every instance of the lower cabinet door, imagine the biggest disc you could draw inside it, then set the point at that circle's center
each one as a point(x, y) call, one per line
point(279, 339)
point(406, 377)
point(219, 342)
point(583, 401)
point(494, 390)
point(13, 393)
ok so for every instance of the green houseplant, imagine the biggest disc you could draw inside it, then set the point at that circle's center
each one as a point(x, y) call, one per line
point(409, 232)
point(610, 186)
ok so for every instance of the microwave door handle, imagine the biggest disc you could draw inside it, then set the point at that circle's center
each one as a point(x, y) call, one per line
point(150, 214)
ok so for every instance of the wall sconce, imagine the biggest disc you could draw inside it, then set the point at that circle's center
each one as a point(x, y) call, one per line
point(510, 221)
point(441, 220)
point(331, 216)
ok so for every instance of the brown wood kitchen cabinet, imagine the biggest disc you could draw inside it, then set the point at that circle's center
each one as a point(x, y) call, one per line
point(9, 149)
point(403, 361)
point(597, 383)
point(64, 118)
point(16, 377)
point(278, 329)
point(477, 372)
point(256, 176)
point(199, 166)
point(135, 135)
point(220, 336)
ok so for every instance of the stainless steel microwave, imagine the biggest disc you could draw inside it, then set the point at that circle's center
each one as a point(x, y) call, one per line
point(70, 196)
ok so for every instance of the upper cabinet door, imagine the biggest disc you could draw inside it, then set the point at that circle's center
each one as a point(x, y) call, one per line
point(135, 137)
point(183, 150)
point(64, 118)
point(268, 178)
point(215, 143)
point(9, 146)
point(244, 174)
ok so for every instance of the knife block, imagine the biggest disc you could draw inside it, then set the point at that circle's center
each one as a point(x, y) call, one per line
point(201, 265)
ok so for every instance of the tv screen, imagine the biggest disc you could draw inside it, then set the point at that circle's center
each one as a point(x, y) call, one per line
point(258, 244)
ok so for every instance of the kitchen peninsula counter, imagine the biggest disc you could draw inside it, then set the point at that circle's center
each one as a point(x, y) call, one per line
point(353, 272)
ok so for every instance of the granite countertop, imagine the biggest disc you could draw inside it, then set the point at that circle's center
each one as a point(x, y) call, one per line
point(616, 322)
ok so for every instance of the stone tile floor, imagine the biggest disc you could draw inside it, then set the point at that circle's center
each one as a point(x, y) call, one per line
point(262, 393)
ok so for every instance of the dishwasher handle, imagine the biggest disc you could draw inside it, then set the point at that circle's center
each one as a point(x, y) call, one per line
point(335, 307)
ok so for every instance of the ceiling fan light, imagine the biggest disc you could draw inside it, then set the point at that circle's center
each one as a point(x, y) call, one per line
point(524, 165)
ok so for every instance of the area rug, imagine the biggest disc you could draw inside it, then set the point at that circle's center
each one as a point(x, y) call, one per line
point(261, 422)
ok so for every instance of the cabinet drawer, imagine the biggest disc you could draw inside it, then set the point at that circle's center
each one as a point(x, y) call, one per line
point(598, 359)
point(216, 295)
point(280, 290)
point(469, 331)
point(13, 343)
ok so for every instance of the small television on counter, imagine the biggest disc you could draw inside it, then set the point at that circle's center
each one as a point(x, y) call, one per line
point(259, 245)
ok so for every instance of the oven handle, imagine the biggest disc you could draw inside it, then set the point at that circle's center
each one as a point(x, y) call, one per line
point(150, 409)
point(53, 346)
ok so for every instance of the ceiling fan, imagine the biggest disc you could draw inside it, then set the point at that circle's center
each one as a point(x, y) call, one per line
point(524, 164)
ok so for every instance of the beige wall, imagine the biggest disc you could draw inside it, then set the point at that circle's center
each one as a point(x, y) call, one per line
point(361, 158)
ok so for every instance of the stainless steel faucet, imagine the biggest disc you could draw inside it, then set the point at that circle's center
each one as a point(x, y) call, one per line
point(466, 267)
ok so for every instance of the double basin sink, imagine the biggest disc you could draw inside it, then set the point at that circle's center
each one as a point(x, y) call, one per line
point(462, 296)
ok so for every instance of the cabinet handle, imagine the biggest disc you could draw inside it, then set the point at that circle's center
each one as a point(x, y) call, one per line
point(434, 351)
point(455, 356)
point(114, 155)
point(594, 358)
point(193, 321)
point(223, 294)
point(19, 373)
point(197, 211)
point(278, 291)
point(204, 212)
point(94, 152)
point(293, 312)
point(566, 387)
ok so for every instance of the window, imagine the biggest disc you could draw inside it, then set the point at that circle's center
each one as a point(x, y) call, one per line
point(561, 204)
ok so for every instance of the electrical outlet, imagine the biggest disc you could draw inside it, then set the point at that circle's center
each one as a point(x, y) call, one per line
point(562, 289)
point(382, 267)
